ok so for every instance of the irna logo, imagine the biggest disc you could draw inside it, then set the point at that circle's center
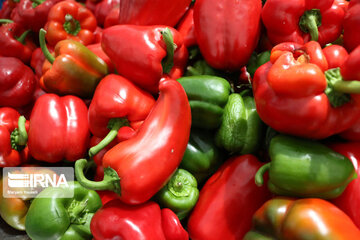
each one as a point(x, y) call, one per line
point(18, 180)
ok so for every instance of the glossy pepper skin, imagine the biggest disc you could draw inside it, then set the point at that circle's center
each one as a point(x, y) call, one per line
point(143, 53)
point(207, 97)
point(11, 154)
point(17, 83)
point(71, 216)
point(296, 93)
point(58, 128)
point(227, 32)
point(305, 168)
point(186, 28)
point(152, 12)
point(349, 200)
point(312, 218)
point(180, 194)
point(70, 20)
point(161, 141)
point(351, 26)
point(144, 221)
point(74, 70)
point(301, 21)
point(241, 128)
point(227, 202)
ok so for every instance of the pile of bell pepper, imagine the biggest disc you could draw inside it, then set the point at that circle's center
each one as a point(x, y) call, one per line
point(202, 120)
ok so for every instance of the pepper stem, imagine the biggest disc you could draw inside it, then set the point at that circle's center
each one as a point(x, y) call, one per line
point(259, 176)
point(114, 125)
point(43, 46)
point(36, 3)
point(168, 62)
point(71, 25)
point(347, 86)
point(6, 21)
point(110, 182)
point(23, 36)
point(23, 137)
point(309, 23)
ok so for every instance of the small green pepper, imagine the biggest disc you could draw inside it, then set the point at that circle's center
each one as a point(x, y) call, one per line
point(256, 60)
point(200, 67)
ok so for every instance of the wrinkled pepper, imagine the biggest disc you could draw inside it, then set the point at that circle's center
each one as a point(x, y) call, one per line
point(227, 32)
point(202, 157)
point(228, 201)
point(305, 168)
point(54, 217)
point(241, 128)
point(116, 220)
point(312, 218)
point(301, 21)
point(180, 194)
point(74, 70)
point(207, 97)
point(296, 93)
point(160, 141)
point(18, 83)
point(144, 53)
point(70, 20)
point(11, 153)
point(351, 26)
point(152, 12)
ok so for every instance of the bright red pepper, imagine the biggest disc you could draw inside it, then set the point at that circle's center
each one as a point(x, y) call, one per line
point(17, 83)
point(352, 26)
point(161, 141)
point(152, 12)
point(227, 32)
point(228, 201)
point(11, 154)
point(115, 220)
point(143, 53)
point(301, 21)
point(112, 18)
point(70, 20)
point(292, 97)
point(186, 28)
point(103, 8)
point(335, 55)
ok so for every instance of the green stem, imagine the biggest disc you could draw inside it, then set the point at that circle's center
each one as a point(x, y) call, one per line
point(23, 136)
point(43, 46)
point(37, 2)
point(110, 182)
point(193, 71)
point(6, 21)
point(347, 86)
point(259, 176)
point(23, 37)
point(309, 23)
point(168, 62)
point(114, 125)
point(71, 25)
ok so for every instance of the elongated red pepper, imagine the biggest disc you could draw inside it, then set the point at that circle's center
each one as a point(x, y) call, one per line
point(12, 154)
point(161, 141)
point(143, 53)
point(301, 21)
point(116, 220)
point(227, 32)
point(228, 201)
point(296, 93)
point(17, 83)
point(152, 12)
point(352, 26)
point(186, 28)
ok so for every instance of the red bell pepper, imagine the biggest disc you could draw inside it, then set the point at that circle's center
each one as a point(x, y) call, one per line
point(6, 9)
point(152, 12)
point(295, 93)
point(17, 83)
point(227, 32)
point(160, 141)
point(228, 201)
point(349, 200)
point(112, 18)
point(70, 20)
point(115, 220)
point(12, 154)
point(32, 14)
point(335, 55)
point(143, 53)
point(186, 28)
point(301, 21)
point(103, 8)
point(96, 48)
point(352, 26)
point(14, 41)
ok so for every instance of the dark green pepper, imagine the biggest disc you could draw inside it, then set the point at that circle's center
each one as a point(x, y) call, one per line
point(55, 217)
point(241, 128)
point(305, 168)
point(256, 60)
point(207, 96)
point(180, 194)
point(200, 67)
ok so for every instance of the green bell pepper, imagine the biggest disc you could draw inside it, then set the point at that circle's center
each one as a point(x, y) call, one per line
point(55, 217)
point(256, 60)
point(305, 168)
point(241, 129)
point(202, 157)
point(180, 194)
point(207, 96)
